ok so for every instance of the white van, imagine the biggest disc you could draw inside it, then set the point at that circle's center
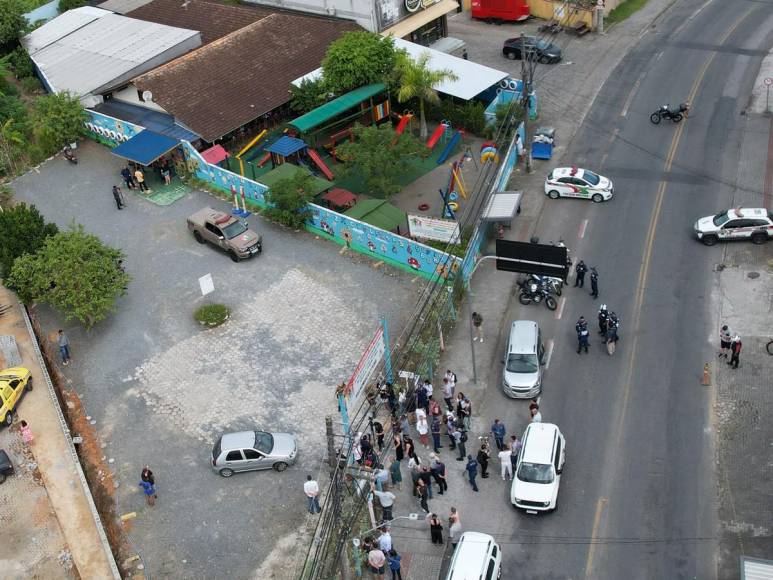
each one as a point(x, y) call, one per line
point(538, 471)
point(477, 557)
point(523, 360)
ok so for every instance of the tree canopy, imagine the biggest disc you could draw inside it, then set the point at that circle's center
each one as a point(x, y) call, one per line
point(417, 81)
point(308, 96)
point(24, 231)
point(74, 272)
point(12, 22)
point(381, 156)
point(289, 199)
point(358, 59)
point(59, 119)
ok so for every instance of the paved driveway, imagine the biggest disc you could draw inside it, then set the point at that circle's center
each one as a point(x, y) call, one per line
point(161, 388)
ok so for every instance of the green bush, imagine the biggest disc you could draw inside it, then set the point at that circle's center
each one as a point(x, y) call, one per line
point(21, 64)
point(31, 85)
point(65, 5)
point(469, 116)
point(212, 314)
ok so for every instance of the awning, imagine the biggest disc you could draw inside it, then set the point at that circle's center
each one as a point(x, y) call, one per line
point(315, 118)
point(145, 147)
point(340, 197)
point(288, 171)
point(379, 213)
point(286, 146)
point(152, 120)
point(214, 154)
point(419, 19)
point(502, 206)
point(756, 568)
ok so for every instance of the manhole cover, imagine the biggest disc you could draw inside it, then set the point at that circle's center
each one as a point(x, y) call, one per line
point(753, 275)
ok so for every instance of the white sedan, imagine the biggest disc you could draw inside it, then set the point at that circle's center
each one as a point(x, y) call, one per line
point(576, 182)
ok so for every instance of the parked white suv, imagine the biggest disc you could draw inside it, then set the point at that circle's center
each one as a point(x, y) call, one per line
point(755, 224)
point(538, 471)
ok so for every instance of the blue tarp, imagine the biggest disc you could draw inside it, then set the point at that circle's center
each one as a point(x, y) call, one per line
point(154, 120)
point(145, 147)
point(286, 146)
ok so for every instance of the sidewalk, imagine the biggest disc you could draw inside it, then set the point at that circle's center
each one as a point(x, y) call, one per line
point(593, 59)
point(46, 506)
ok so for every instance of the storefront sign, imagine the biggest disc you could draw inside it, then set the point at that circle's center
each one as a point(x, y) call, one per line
point(412, 5)
point(434, 229)
point(369, 361)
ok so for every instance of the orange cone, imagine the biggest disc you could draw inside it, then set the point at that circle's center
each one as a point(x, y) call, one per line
point(706, 380)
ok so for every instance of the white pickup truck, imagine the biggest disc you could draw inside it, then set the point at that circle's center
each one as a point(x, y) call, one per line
point(226, 232)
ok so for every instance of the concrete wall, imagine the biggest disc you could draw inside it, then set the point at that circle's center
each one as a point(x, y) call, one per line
point(361, 11)
point(553, 10)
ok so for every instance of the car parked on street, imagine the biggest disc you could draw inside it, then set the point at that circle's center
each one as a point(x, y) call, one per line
point(579, 183)
point(542, 50)
point(755, 224)
point(538, 471)
point(14, 383)
point(523, 360)
point(253, 450)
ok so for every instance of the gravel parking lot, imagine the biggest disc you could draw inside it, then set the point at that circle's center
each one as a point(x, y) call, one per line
point(161, 389)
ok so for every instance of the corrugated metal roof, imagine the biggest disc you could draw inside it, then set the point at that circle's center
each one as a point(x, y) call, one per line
point(60, 27)
point(123, 6)
point(756, 569)
point(103, 50)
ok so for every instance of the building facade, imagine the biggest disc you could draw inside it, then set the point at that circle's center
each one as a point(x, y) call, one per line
point(420, 21)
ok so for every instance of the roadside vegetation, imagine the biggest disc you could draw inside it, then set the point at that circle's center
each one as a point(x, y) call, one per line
point(624, 10)
point(212, 315)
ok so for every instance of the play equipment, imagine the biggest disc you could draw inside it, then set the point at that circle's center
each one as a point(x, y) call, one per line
point(489, 152)
point(404, 120)
point(264, 159)
point(435, 137)
point(249, 145)
point(319, 163)
point(336, 137)
point(449, 147)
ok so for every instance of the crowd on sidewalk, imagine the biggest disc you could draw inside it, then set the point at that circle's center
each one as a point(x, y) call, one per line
point(437, 427)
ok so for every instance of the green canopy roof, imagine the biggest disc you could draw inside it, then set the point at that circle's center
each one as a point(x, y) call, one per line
point(287, 171)
point(377, 212)
point(315, 118)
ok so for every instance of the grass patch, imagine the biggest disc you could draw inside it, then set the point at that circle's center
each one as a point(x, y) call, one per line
point(212, 314)
point(624, 10)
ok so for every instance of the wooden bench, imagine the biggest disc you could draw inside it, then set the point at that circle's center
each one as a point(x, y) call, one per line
point(579, 29)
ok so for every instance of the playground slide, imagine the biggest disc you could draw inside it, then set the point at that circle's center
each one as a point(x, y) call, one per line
point(449, 147)
point(252, 143)
point(436, 135)
point(319, 163)
point(404, 120)
point(263, 159)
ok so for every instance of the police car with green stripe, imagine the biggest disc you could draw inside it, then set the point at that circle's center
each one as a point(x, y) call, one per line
point(579, 183)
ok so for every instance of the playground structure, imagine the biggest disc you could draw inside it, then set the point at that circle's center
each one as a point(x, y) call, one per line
point(489, 152)
point(450, 147)
point(456, 186)
point(405, 119)
point(249, 146)
point(438, 133)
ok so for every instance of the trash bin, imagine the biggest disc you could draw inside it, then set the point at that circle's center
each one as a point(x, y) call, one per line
point(543, 142)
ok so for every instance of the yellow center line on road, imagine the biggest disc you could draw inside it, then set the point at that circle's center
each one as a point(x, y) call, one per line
point(641, 283)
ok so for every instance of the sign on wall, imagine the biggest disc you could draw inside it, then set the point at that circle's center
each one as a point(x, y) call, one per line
point(363, 373)
point(434, 229)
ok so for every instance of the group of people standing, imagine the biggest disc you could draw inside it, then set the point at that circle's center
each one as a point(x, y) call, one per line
point(731, 345)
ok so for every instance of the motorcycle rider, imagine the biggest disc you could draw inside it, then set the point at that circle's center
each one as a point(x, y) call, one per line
point(582, 334)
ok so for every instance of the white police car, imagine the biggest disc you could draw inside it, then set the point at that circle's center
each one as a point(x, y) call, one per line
point(755, 224)
point(580, 183)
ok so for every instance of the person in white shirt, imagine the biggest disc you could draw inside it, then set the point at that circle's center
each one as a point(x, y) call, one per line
point(386, 499)
point(505, 464)
point(385, 542)
point(311, 488)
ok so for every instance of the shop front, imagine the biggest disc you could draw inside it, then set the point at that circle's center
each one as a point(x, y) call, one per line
point(420, 21)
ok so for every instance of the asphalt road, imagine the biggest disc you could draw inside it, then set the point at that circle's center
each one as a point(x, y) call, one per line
point(638, 492)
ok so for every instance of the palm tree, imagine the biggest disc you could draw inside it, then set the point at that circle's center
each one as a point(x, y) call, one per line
point(417, 80)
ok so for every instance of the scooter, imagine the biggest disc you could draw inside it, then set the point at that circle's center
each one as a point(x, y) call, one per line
point(69, 154)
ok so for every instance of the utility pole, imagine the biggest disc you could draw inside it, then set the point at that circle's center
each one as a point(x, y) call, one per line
point(528, 63)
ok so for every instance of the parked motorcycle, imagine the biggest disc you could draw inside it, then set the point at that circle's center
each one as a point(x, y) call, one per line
point(69, 154)
point(533, 292)
point(552, 284)
point(665, 112)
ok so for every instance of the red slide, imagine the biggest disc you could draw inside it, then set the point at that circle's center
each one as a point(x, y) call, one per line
point(263, 159)
point(321, 164)
point(403, 123)
point(436, 135)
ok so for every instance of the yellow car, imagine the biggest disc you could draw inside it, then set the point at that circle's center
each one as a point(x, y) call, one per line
point(13, 384)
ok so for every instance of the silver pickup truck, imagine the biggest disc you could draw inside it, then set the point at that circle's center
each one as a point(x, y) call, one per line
point(226, 232)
